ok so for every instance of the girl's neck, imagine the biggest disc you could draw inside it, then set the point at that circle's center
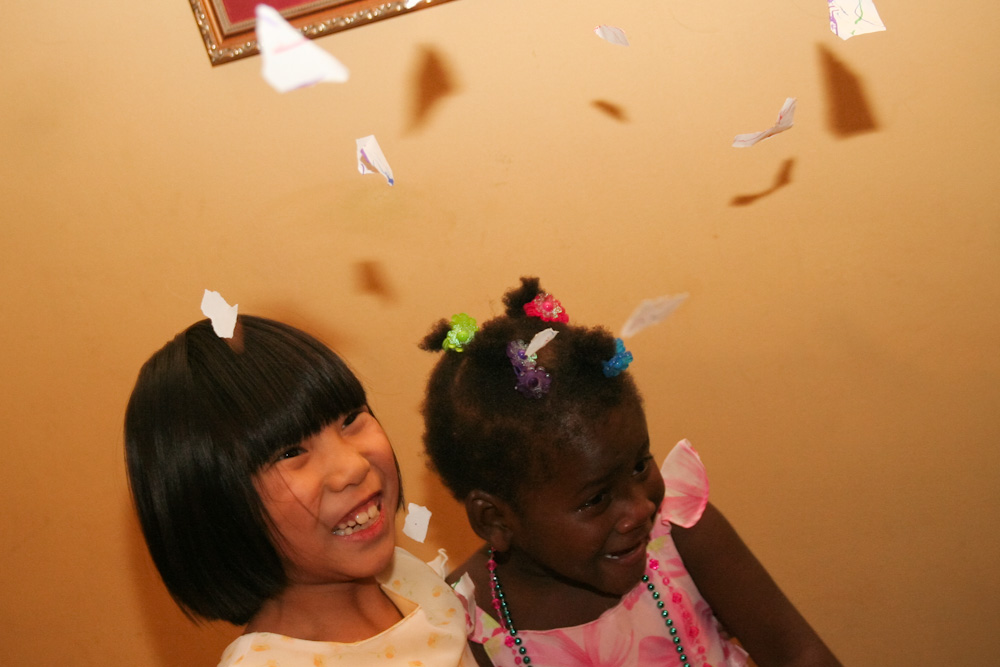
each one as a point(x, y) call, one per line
point(337, 612)
point(539, 600)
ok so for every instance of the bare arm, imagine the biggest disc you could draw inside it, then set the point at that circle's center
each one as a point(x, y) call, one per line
point(745, 598)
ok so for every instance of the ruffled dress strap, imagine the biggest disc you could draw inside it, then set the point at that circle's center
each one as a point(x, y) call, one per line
point(686, 483)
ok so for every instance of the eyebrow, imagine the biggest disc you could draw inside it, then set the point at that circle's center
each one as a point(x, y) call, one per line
point(598, 482)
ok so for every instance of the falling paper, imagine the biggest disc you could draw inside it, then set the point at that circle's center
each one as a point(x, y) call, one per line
point(854, 17)
point(650, 312)
point(290, 60)
point(541, 339)
point(371, 159)
point(223, 315)
point(417, 518)
point(784, 122)
point(611, 34)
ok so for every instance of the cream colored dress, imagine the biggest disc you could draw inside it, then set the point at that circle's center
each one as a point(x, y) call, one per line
point(431, 633)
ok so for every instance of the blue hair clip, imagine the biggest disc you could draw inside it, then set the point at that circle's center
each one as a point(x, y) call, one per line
point(619, 362)
point(532, 380)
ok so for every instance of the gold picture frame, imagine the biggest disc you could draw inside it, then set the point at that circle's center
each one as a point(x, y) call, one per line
point(227, 26)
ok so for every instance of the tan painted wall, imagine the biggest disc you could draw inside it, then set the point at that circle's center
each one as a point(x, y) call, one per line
point(837, 363)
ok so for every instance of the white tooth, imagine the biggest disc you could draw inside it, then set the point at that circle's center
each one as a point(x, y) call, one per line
point(348, 531)
point(372, 512)
point(361, 518)
point(352, 522)
point(341, 526)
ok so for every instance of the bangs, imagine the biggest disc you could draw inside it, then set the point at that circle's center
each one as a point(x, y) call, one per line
point(282, 387)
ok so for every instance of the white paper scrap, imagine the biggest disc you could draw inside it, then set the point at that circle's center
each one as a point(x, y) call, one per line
point(541, 339)
point(371, 159)
point(784, 122)
point(854, 17)
point(223, 315)
point(650, 312)
point(609, 33)
point(417, 519)
point(290, 60)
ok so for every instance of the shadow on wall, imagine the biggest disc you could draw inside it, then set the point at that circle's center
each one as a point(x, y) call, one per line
point(432, 82)
point(783, 178)
point(611, 109)
point(848, 110)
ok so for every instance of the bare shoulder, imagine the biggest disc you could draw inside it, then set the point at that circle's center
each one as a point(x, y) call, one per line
point(744, 596)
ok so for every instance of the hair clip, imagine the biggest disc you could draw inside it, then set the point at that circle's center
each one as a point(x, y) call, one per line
point(619, 362)
point(463, 330)
point(532, 380)
point(546, 307)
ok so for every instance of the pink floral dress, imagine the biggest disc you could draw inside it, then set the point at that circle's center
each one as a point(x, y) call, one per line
point(632, 632)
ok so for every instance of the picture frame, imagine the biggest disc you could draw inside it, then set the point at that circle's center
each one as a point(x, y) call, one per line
point(227, 26)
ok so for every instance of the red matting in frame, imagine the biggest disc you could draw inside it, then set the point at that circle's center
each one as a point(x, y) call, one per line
point(236, 16)
point(227, 26)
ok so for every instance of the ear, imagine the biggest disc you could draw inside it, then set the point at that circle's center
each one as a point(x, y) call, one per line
point(492, 518)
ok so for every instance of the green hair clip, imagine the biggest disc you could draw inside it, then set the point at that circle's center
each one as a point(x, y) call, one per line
point(463, 330)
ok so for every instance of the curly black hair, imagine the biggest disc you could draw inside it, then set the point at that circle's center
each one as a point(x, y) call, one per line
point(480, 433)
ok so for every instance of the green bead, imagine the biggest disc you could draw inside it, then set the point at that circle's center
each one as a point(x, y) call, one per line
point(645, 577)
point(683, 658)
point(670, 621)
point(527, 660)
point(677, 640)
point(679, 648)
point(656, 596)
point(659, 604)
point(522, 650)
point(673, 631)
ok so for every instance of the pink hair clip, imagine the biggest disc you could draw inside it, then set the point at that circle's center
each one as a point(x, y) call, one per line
point(546, 307)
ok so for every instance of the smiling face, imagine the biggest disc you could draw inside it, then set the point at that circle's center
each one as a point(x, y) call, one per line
point(332, 501)
point(589, 522)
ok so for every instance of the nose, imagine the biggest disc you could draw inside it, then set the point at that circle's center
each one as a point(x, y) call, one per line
point(637, 511)
point(344, 466)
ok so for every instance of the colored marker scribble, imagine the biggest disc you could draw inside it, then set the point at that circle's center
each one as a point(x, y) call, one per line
point(854, 17)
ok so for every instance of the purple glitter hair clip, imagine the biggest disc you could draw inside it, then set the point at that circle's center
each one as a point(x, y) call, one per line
point(619, 362)
point(532, 380)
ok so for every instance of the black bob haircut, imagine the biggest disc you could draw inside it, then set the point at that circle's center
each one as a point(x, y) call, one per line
point(205, 414)
point(480, 432)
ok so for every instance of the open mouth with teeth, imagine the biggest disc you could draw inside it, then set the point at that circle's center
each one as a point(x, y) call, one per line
point(364, 517)
point(627, 554)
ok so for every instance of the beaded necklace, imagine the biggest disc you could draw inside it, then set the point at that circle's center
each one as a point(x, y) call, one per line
point(516, 644)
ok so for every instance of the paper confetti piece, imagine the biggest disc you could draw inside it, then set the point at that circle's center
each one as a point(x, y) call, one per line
point(650, 312)
point(854, 17)
point(223, 315)
point(784, 122)
point(541, 339)
point(611, 34)
point(290, 60)
point(371, 159)
point(417, 519)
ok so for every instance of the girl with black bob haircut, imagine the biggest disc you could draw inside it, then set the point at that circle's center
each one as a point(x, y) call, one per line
point(591, 556)
point(267, 492)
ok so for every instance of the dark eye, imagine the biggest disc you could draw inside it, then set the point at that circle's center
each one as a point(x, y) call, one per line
point(643, 465)
point(596, 501)
point(352, 417)
point(288, 453)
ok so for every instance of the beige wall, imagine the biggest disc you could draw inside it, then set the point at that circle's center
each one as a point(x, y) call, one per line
point(836, 365)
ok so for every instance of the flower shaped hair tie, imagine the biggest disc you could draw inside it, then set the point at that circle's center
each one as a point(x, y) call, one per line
point(463, 330)
point(619, 361)
point(546, 307)
point(532, 380)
